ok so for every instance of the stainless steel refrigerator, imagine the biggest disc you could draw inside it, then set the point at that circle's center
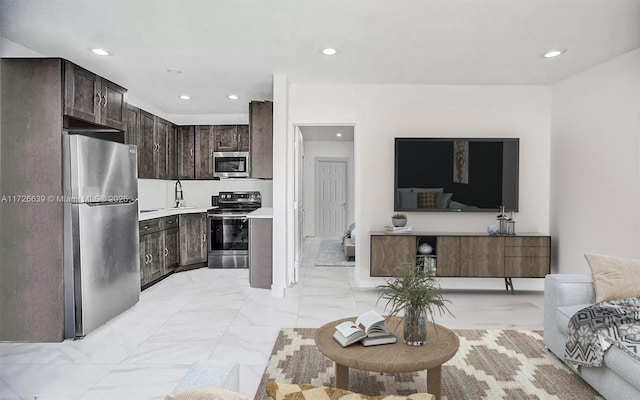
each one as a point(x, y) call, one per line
point(101, 254)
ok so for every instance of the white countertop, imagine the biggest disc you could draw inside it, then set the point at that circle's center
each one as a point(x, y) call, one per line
point(167, 212)
point(264, 212)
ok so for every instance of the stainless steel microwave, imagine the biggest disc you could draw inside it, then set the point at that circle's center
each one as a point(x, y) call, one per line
point(231, 164)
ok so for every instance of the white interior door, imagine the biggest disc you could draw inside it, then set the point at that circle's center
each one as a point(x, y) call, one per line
point(331, 198)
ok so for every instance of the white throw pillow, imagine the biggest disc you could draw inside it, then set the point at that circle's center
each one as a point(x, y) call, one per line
point(614, 278)
point(353, 236)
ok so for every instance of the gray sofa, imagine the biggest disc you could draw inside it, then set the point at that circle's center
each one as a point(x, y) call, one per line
point(349, 242)
point(619, 376)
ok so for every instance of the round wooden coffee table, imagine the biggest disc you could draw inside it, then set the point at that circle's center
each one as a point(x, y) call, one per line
point(441, 345)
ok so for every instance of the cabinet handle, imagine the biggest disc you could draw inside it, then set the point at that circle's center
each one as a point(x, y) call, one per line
point(146, 259)
point(150, 257)
point(191, 151)
point(98, 99)
point(211, 152)
point(204, 237)
point(104, 102)
point(166, 252)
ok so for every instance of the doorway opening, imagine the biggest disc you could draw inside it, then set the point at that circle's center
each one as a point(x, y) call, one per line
point(325, 183)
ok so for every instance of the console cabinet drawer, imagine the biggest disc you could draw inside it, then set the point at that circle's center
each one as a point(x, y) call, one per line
point(526, 252)
point(527, 241)
point(526, 267)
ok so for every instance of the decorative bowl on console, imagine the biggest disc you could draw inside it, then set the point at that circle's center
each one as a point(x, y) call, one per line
point(399, 219)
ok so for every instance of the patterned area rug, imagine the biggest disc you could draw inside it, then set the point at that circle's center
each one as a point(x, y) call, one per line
point(332, 255)
point(490, 364)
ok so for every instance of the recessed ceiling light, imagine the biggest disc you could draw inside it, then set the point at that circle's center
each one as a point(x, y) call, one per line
point(233, 97)
point(329, 51)
point(100, 52)
point(553, 53)
point(185, 97)
point(339, 134)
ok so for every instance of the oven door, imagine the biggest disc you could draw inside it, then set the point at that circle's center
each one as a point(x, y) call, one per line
point(228, 241)
point(231, 164)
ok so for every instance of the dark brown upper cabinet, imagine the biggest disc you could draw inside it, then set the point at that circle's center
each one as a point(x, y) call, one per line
point(172, 152)
point(146, 146)
point(161, 138)
point(204, 148)
point(244, 140)
point(91, 98)
point(232, 137)
point(132, 126)
point(156, 139)
point(186, 152)
point(261, 133)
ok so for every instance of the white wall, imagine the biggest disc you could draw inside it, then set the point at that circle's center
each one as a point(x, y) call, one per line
point(595, 185)
point(156, 193)
point(283, 195)
point(331, 149)
point(13, 49)
point(382, 112)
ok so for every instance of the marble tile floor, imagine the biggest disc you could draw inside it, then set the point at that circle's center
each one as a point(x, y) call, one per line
point(214, 314)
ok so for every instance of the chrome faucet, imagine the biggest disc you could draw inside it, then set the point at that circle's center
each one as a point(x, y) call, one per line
point(178, 194)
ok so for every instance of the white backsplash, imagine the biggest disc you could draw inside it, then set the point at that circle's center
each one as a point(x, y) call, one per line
point(156, 193)
point(152, 193)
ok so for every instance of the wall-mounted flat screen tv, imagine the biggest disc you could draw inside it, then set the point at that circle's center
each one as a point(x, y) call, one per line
point(456, 174)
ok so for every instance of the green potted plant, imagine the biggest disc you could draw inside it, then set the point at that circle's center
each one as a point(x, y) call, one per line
point(417, 293)
point(399, 219)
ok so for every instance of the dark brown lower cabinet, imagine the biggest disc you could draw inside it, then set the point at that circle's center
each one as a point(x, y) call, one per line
point(260, 252)
point(193, 239)
point(171, 251)
point(159, 248)
point(151, 257)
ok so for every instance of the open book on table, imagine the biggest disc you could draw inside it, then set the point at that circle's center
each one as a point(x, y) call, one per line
point(368, 329)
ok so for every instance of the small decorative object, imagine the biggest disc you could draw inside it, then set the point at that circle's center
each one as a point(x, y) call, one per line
point(425, 248)
point(502, 221)
point(415, 292)
point(399, 219)
point(511, 225)
point(492, 229)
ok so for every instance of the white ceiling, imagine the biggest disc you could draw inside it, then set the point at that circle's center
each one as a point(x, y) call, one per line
point(327, 133)
point(235, 46)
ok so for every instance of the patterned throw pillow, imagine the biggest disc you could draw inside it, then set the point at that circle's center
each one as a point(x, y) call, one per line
point(428, 200)
point(286, 391)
